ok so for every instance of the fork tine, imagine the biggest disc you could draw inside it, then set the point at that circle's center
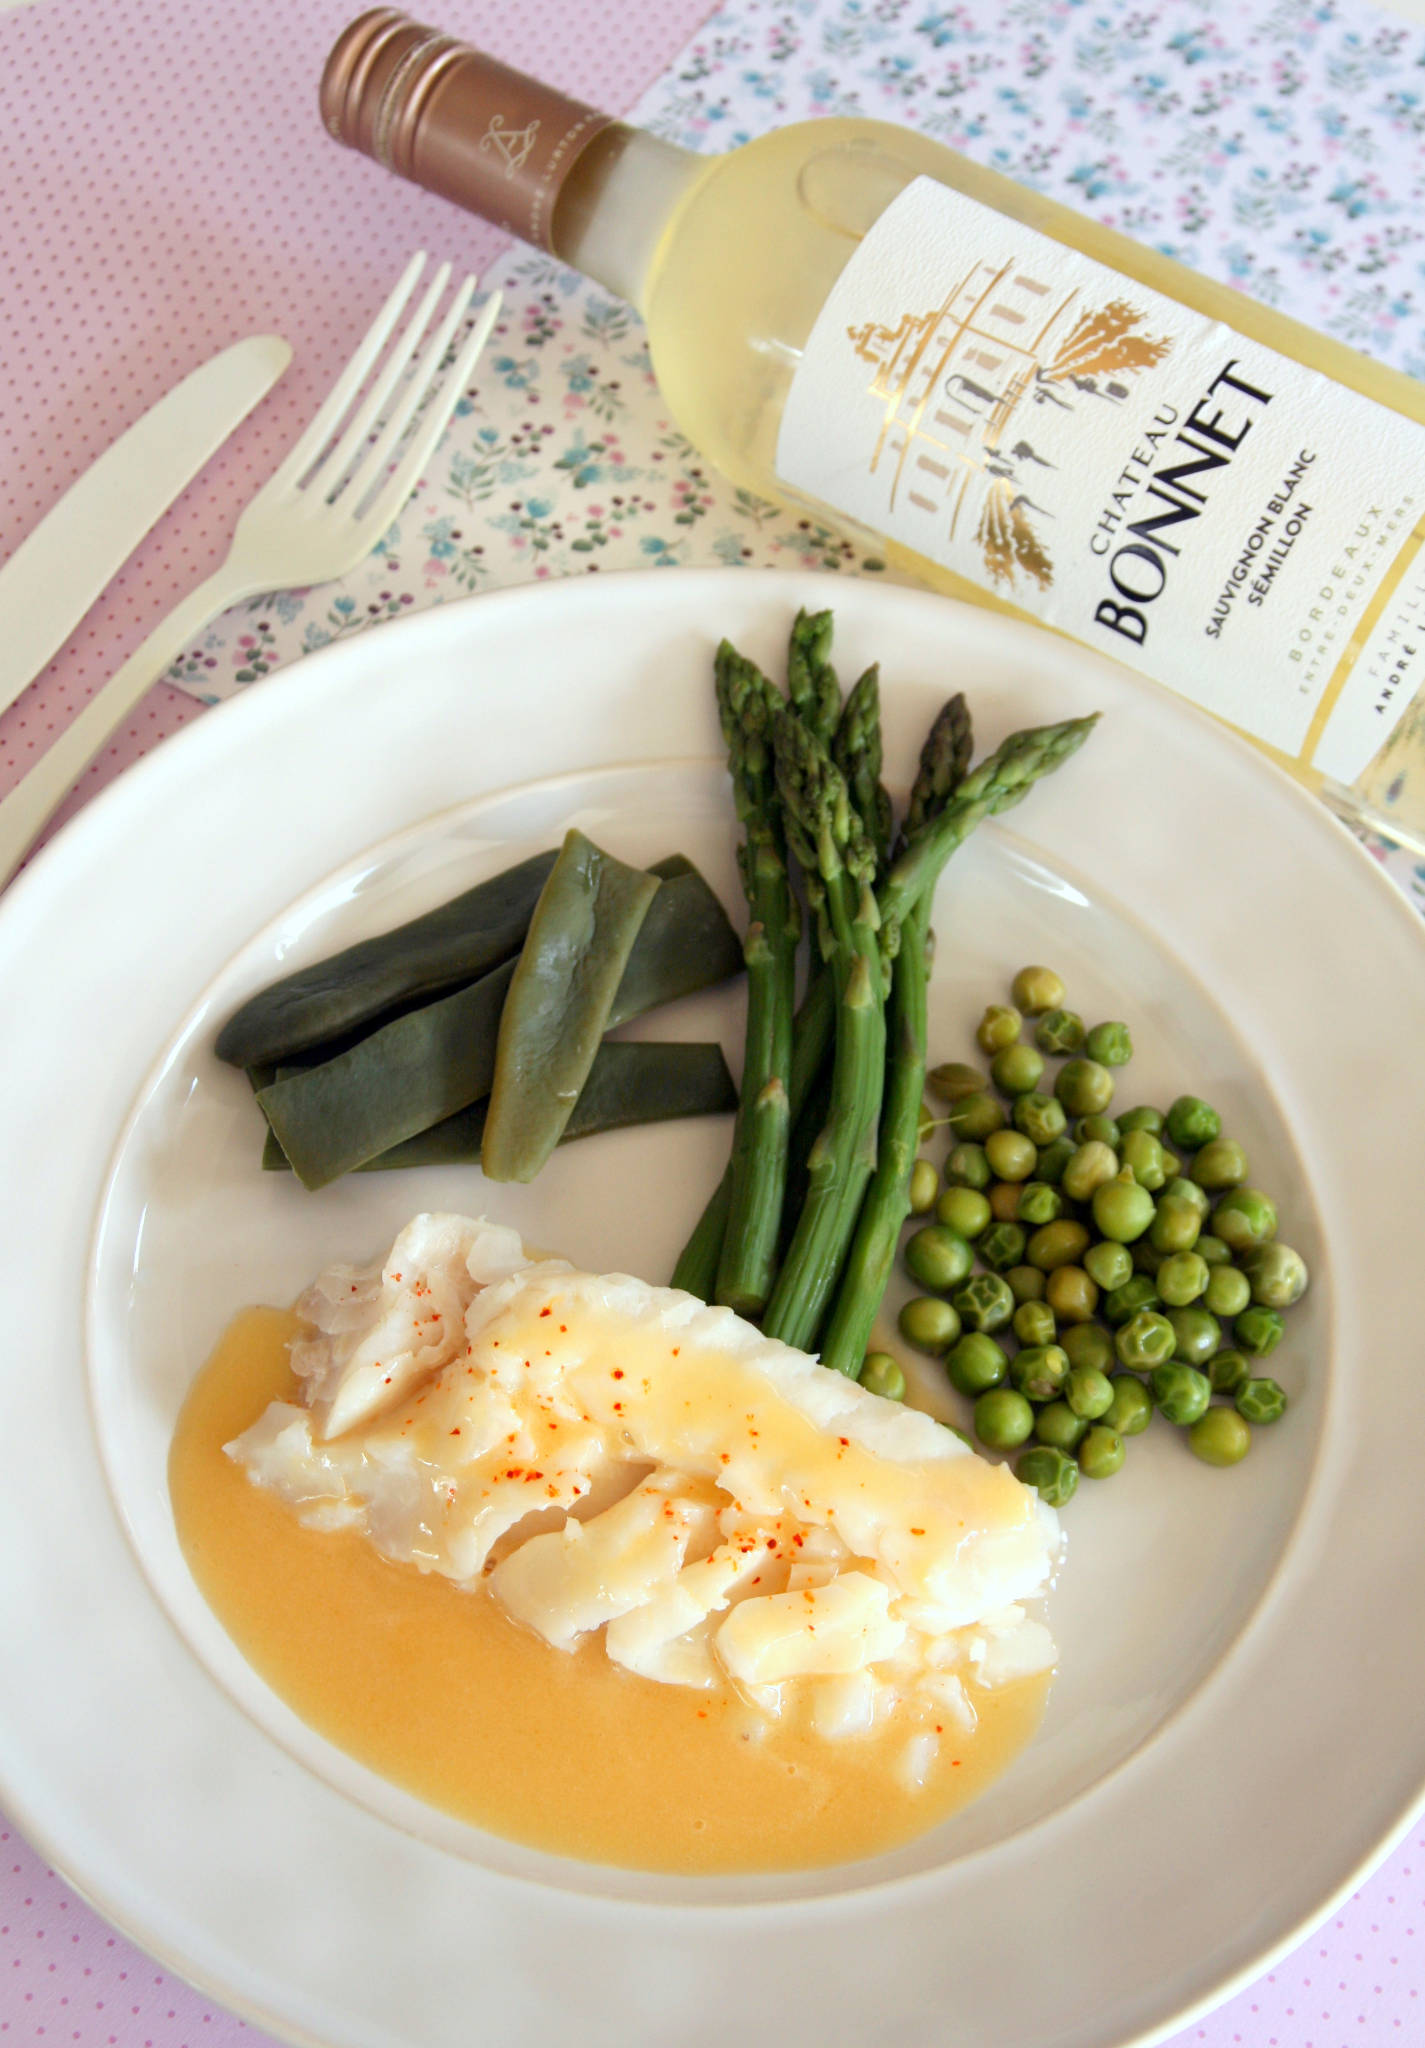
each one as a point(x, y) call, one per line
point(335, 465)
point(393, 495)
point(312, 442)
point(370, 476)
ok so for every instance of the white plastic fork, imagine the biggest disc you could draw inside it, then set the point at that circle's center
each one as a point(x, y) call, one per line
point(320, 513)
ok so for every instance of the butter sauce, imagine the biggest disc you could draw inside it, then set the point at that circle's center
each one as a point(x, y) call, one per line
point(439, 1691)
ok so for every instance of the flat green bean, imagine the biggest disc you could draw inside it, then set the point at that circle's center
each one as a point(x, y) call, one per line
point(559, 1002)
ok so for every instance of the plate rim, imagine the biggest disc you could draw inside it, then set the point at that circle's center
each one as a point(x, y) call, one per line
point(102, 818)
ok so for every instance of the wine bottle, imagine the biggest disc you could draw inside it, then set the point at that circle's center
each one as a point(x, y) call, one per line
point(1021, 407)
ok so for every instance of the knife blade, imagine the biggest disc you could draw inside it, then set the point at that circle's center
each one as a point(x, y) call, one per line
point(64, 563)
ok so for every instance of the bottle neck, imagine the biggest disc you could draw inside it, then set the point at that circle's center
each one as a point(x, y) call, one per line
point(616, 206)
point(553, 171)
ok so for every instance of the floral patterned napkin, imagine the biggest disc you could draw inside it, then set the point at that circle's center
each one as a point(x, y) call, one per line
point(1276, 144)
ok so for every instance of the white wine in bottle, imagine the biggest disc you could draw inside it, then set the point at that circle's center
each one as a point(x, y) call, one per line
point(1023, 408)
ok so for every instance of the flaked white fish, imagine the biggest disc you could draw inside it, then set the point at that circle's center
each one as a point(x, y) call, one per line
point(610, 1456)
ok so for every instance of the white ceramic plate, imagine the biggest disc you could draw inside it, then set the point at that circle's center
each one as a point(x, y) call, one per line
point(1235, 1736)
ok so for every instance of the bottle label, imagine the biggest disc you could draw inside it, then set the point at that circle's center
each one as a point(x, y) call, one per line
point(1145, 479)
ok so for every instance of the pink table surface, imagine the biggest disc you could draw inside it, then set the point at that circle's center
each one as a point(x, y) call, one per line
point(164, 187)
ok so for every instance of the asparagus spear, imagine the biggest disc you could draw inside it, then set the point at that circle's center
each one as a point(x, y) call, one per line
point(838, 861)
point(747, 705)
point(944, 761)
point(811, 680)
point(816, 697)
point(873, 1247)
point(856, 750)
point(887, 1203)
point(944, 764)
point(696, 1270)
point(853, 733)
point(1002, 780)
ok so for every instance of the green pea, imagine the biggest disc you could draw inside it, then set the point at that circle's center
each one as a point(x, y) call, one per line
point(1132, 1407)
point(975, 1117)
point(1012, 1156)
point(1036, 989)
point(1142, 1119)
point(1039, 1203)
point(1001, 1246)
point(1015, 1070)
point(1145, 1340)
point(1244, 1219)
point(1108, 1264)
point(1102, 1130)
point(1039, 1371)
point(1122, 1209)
point(1088, 1345)
point(984, 1302)
point(1260, 1401)
point(1040, 1117)
point(1192, 1122)
point(1220, 1437)
point(1088, 1392)
point(1142, 1153)
point(1084, 1087)
point(998, 1029)
point(976, 1364)
point(1277, 1274)
point(1057, 1425)
point(1147, 1258)
point(1092, 1165)
point(1182, 1277)
point(1213, 1250)
point(881, 1374)
point(1258, 1331)
point(924, 1187)
point(1071, 1294)
point(1222, 1164)
point(929, 1323)
point(955, 1080)
point(1026, 1284)
point(1051, 1472)
point(1004, 1201)
point(1227, 1370)
point(1034, 1320)
point(1121, 1304)
point(1110, 1044)
point(1227, 1292)
point(928, 1124)
point(1061, 1243)
point(1180, 1189)
point(963, 1210)
point(1181, 1392)
point(967, 1167)
point(1196, 1333)
point(1000, 1026)
point(1101, 1453)
point(938, 1258)
point(1053, 1158)
point(1172, 1165)
point(1176, 1225)
point(1003, 1419)
point(1059, 1031)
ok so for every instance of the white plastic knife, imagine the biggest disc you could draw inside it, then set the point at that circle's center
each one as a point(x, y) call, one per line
point(59, 569)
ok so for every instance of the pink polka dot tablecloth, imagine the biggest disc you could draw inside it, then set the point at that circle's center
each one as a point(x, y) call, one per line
point(166, 189)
